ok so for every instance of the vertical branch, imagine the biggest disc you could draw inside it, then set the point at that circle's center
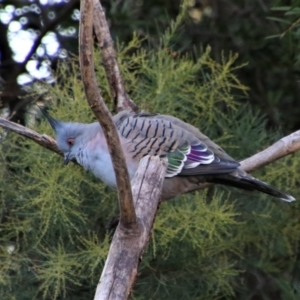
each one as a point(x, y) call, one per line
point(95, 100)
point(122, 100)
point(120, 270)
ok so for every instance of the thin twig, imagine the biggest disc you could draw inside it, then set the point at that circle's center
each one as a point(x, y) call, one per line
point(122, 100)
point(96, 102)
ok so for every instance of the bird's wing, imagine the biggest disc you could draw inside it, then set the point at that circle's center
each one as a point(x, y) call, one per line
point(187, 154)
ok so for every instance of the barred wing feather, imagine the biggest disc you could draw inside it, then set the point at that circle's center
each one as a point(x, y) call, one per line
point(186, 154)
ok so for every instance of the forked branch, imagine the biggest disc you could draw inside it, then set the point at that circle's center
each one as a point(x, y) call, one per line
point(96, 102)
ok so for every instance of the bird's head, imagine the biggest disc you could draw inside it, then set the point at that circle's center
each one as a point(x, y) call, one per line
point(69, 136)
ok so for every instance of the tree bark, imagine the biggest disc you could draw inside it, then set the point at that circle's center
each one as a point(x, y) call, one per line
point(121, 265)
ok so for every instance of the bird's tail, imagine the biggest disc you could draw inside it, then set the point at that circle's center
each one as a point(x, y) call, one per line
point(245, 181)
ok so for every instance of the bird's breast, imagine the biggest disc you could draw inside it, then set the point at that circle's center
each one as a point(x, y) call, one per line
point(100, 164)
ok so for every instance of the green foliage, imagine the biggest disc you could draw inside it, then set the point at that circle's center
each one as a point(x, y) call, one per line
point(289, 19)
point(214, 244)
point(241, 26)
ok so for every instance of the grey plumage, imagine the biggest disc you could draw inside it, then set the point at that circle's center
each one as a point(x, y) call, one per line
point(193, 159)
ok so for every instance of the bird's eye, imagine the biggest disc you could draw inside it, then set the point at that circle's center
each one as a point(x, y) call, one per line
point(70, 141)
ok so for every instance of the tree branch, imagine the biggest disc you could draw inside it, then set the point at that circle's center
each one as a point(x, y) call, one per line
point(96, 102)
point(285, 146)
point(122, 100)
point(120, 270)
point(41, 139)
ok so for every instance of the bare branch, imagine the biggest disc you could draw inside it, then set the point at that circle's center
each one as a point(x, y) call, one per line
point(121, 265)
point(96, 102)
point(122, 100)
point(41, 139)
point(285, 146)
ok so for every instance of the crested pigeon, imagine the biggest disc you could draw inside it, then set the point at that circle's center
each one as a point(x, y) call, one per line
point(193, 159)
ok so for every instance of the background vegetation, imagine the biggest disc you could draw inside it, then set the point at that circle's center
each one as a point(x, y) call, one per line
point(215, 244)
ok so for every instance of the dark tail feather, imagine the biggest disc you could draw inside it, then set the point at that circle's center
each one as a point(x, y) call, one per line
point(250, 183)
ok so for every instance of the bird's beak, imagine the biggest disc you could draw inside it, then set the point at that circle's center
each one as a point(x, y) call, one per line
point(67, 158)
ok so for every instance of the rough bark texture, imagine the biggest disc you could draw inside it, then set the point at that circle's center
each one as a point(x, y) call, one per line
point(96, 102)
point(120, 269)
point(122, 100)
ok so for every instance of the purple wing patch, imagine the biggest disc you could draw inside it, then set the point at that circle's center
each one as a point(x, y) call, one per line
point(199, 154)
point(188, 157)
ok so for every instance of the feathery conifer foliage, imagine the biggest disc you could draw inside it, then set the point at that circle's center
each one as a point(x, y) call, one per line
point(214, 244)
